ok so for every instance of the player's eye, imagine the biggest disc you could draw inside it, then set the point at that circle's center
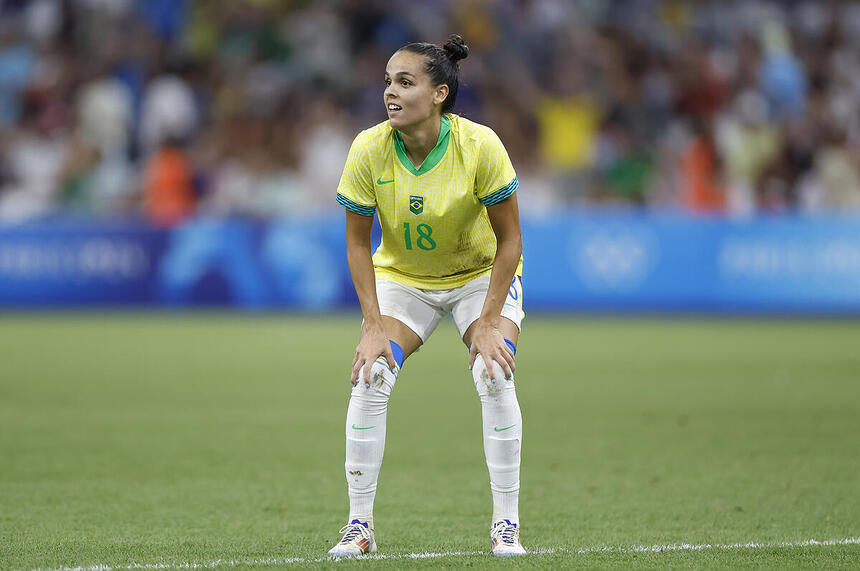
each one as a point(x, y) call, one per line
point(405, 83)
point(387, 81)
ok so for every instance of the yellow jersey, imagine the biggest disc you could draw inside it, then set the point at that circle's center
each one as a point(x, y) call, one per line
point(435, 230)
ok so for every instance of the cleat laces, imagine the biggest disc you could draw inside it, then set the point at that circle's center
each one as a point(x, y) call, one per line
point(507, 533)
point(510, 535)
point(351, 531)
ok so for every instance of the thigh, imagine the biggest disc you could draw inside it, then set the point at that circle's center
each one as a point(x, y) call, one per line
point(470, 303)
point(401, 334)
point(507, 328)
point(409, 315)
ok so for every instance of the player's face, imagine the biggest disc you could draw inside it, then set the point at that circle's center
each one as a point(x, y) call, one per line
point(410, 96)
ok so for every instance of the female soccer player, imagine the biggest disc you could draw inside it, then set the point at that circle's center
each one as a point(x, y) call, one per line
point(443, 188)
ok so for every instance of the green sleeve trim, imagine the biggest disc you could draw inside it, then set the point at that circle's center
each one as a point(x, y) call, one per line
point(501, 194)
point(354, 206)
point(435, 155)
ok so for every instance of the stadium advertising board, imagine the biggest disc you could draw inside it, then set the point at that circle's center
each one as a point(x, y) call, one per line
point(577, 262)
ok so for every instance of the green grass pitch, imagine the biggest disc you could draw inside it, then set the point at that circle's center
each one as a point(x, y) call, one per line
point(217, 440)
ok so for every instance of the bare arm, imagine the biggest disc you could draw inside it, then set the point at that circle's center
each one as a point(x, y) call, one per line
point(373, 341)
point(486, 337)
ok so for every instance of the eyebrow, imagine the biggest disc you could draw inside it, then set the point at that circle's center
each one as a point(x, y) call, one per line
point(401, 73)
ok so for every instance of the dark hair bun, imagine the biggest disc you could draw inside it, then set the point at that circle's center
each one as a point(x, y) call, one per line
point(455, 48)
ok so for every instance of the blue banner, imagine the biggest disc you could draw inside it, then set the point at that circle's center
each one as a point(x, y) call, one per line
point(613, 262)
point(78, 263)
point(574, 261)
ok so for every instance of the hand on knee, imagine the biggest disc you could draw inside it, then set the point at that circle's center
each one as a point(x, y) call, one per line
point(372, 396)
point(382, 376)
point(488, 383)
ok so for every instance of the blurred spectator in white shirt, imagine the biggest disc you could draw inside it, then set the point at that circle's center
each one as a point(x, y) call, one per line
point(169, 111)
point(105, 114)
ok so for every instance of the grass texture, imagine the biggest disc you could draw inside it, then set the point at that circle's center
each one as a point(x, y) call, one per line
point(217, 440)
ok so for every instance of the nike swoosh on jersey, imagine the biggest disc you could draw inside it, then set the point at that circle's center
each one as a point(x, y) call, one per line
point(354, 427)
point(497, 429)
point(380, 181)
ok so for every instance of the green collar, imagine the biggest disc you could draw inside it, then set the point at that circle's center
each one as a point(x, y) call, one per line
point(435, 155)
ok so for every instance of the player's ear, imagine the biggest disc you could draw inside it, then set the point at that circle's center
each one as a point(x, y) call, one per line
point(440, 94)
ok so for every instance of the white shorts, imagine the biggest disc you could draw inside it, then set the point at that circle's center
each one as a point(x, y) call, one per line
point(422, 309)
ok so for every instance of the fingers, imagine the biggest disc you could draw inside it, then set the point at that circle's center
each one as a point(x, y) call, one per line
point(505, 360)
point(365, 373)
point(361, 370)
point(509, 356)
point(372, 344)
point(357, 364)
point(501, 356)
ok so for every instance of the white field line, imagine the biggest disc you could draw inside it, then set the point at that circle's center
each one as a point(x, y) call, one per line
point(278, 561)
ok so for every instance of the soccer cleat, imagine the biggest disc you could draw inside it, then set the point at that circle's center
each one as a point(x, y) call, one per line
point(506, 539)
point(357, 540)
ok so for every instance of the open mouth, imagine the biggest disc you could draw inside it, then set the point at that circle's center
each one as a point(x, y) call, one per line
point(394, 107)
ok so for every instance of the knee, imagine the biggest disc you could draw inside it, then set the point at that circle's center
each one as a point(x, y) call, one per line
point(378, 384)
point(380, 380)
point(490, 385)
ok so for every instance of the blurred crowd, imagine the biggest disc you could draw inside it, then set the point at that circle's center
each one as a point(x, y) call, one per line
point(173, 108)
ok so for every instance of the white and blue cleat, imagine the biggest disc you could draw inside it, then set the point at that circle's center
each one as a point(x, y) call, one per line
point(506, 539)
point(357, 540)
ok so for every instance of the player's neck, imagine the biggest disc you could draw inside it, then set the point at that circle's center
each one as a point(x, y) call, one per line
point(421, 138)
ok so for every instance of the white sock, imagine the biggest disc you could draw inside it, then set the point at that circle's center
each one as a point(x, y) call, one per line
point(503, 433)
point(365, 439)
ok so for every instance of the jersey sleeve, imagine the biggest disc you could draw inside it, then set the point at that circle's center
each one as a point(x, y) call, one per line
point(495, 179)
point(355, 191)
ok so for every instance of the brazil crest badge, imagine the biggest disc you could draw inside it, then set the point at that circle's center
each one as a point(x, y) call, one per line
point(416, 204)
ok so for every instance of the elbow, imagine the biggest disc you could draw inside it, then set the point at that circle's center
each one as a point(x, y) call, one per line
point(354, 251)
point(517, 249)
